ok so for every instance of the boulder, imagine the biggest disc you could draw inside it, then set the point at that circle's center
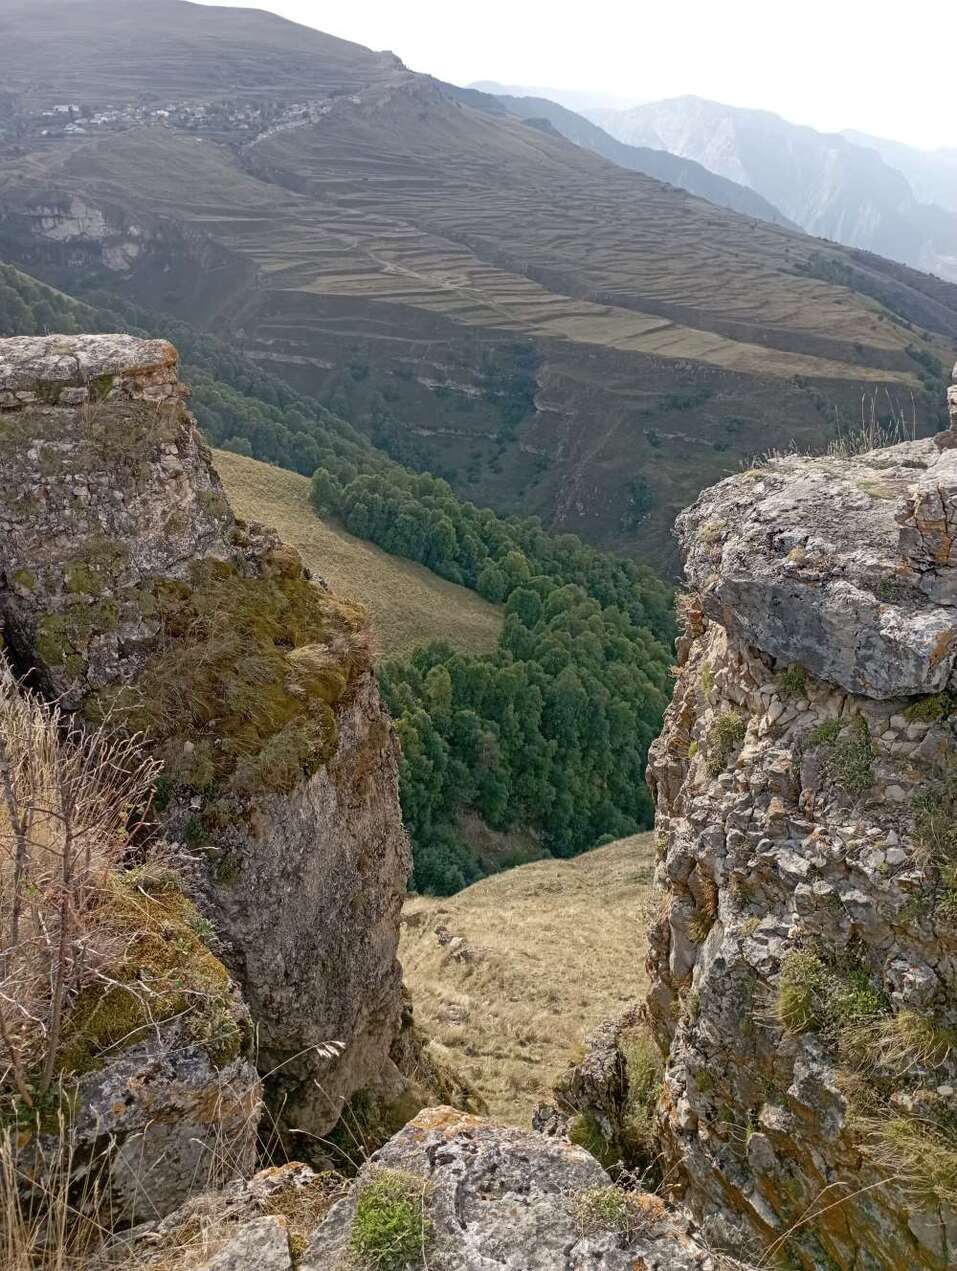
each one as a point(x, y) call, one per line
point(498, 1197)
point(844, 565)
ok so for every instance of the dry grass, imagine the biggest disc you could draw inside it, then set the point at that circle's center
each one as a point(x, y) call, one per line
point(409, 605)
point(550, 950)
point(66, 799)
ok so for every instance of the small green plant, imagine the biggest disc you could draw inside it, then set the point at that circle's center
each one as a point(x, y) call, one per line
point(603, 1209)
point(391, 1227)
point(848, 753)
point(934, 831)
point(645, 1070)
point(706, 679)
point(724, 737)
point(792, 681)
point(584, 1131)
point(930, 710)
point(800, 1002)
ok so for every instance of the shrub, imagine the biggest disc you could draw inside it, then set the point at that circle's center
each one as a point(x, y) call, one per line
point(792, 681)
point(390, 1228)
point(848, 753)
point(724, 737)
point(602, 1209)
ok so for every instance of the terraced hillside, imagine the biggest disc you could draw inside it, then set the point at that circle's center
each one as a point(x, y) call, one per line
point(553, 333)
point(408, 604)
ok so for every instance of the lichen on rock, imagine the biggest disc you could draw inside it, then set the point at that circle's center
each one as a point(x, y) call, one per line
point(493, 1196)
point(804, 969)
point(131, 593)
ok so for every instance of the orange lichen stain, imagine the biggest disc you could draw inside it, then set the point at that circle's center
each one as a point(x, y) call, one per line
point(446, 1120)
point(942, 646)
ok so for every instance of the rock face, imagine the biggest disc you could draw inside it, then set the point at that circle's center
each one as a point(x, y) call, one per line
point(161, 1119)
point(133, 594)
point(804, 971)
point(496, 1197)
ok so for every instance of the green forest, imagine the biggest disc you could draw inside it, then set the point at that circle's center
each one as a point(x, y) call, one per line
point(549, 734)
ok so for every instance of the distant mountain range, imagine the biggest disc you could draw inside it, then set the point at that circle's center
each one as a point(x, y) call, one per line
point(682, 172)
point(852, 188)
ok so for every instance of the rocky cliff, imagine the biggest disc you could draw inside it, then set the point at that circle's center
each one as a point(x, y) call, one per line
point(131, 593)
point(804, 966)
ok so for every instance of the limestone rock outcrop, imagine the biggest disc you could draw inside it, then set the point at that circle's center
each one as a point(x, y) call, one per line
point(496, 1197)
point(132, 594)
point(804, 969)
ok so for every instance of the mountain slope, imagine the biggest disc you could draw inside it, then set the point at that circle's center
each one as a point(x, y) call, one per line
point(545, 945)
point(109, 51)
point(552, 332)
point(408, 604)
point(932, 174)
point(823, 182)
point(679, 171)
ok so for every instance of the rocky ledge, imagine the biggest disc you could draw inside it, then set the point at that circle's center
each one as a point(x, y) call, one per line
point(131, 594)
point(804, 968)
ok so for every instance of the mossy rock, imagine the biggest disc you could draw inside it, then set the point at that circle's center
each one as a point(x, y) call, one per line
point(164, 968)
point(237, 699)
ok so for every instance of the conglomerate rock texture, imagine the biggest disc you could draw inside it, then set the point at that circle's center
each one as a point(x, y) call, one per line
point(804, 967)
point(132, 594)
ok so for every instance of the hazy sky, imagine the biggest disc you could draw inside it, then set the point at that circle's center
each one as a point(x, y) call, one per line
point(884, 68)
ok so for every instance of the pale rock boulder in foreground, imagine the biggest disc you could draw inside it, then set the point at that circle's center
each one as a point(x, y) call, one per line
point(804, 971)
point(134, 594)
point(494, 1197)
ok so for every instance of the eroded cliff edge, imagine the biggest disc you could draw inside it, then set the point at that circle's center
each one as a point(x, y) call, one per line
point(132, 594)
point(804, 966)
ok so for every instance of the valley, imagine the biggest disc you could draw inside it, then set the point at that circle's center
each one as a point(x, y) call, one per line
point(482, 298)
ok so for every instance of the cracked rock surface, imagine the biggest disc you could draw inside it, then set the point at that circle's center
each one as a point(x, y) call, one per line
point(805, 789)
point(497, 1197)
point(123, 576)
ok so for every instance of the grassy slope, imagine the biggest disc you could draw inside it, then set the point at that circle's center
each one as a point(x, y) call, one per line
point(555, 949)
point(386, 257)
point(408, 604)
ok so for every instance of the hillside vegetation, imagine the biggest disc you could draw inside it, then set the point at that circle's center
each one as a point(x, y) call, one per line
point(552, 333)
point(536, 746)
point(510, 975)
point(409, 605)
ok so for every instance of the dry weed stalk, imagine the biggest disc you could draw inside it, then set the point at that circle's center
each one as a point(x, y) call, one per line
point(67, 797)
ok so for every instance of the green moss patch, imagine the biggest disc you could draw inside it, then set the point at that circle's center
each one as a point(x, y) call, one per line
point(163, 968)
point(390, 1229)
point(238, 696)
